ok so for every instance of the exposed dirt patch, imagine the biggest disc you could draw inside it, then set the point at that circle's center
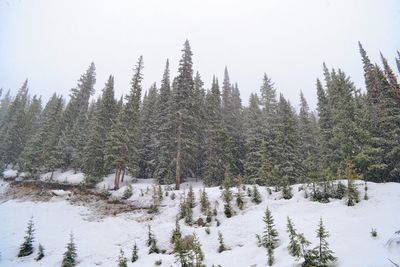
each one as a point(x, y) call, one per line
point(39, 191)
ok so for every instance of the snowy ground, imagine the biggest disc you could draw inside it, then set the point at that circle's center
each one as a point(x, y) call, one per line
point(98, 242)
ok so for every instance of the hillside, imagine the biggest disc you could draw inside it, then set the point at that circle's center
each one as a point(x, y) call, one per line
point(99, 238)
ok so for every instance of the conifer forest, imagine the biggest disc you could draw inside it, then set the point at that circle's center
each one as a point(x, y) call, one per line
point(200, 133)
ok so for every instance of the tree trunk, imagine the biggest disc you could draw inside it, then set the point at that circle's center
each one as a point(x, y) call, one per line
point(178, 155)
point(116, 180)
point(123, 175)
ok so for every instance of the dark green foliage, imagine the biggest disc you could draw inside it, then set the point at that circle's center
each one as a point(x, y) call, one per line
point(122, 261)
point(191, 198)
point(374, 233)
point(286, 189)
point(135, 253)
point(227, 194)
point(255, 195)
point(321, 255)
point(40, 253)
point(127, 192)
point(269, 239)
point(176, 233)
point(294, 245)
point(221, 247)
point(204, 202)
point(26, 248)
point(151, 242)
point(188, 253)
point(69, 258)
point(239, 199)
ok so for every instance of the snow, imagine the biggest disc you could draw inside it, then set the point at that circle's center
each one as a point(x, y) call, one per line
point(10, 173)
point(64, 177)
point(98, 242)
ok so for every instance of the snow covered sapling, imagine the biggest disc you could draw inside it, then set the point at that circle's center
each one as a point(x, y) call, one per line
point(127, 192)
point(69, 258)
point(156, 201)
point(352, 192)
point(321, 255)
point(158, 262)
point(135, 251)
point(191, 199)
point(152, 242)
point(122, 261)
point(340, 190)
point(270, 236)
point(221, 247)
point(27, 246)
point(204, 202)
point(294, 246)
point(188, 253)
point(374, 233)
point(40, 253)
point(176, 233)
point(365, 190)
point(255, 196)
point(239, 199)
point(160, 193)
point(286, 189)
point(227, 194)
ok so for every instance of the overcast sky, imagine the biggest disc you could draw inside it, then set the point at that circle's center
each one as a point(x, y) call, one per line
point(53, 42)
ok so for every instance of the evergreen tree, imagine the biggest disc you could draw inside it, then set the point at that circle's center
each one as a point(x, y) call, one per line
point(255, 195)
point(69, 259)
point(191, 198)
point(99, 127)
point(217, 139)
point(122, 261)
point(204, 202)
point(253, 139)
point(152, 242)
point(183, 117)
point(321, 255)
point(40, 253)
point(270, 236)
point(131, 117)
point(188, 253)
point(26, 248)
point(135, 251)
point(74, 121)
point(148, 128)
point(176, 233)
point(221, 247)
point(5, 103)
point(294, 245)
point(227, 194)
point(164, 147)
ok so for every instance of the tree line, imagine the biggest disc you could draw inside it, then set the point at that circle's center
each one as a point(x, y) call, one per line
point(179, 129)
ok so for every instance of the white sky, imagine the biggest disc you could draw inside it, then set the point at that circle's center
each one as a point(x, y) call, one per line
point(53, 42)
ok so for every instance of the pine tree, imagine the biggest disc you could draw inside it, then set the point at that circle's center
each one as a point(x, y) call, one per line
point(135, 251)
point(255, 195)
point(122, 261)
point(352, 192)
point(217, 140)
point(321, 255)
point(270, 236)
point(294, 245)
point(99, 127)
point(40, 253)
point(221, 247)
point(191, 198)
point(176, 233)
point(69, 258)
point(74, 121)
point(152, 242)
point(26, 248)
point(164, 147)
point(131, 117)
point(183, 119)
point(188, 253)
point(148, 128)
point(227, 194)
point(204, 202)
point(253, 139)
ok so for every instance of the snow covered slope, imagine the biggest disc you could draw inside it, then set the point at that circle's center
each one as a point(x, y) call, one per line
point(98, 242)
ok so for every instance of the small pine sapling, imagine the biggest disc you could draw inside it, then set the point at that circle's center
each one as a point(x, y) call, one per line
point(176, 233)
point(204, 202)
point(26, 248)
point(270, 236)
point(239, 199)
point(69, 258)
point(135, 253)
point(286, 189)
point(221, 247)
point(40, 253)
point(151, 242)
point(158, 262)
point(294, 246)
point(352, 192)
point(374, 233)
point(127, 192)
point(191, 199)
point(227, 194)
point(365, 190)
point(249, 193)
point(255, 196)
point(122, 261)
